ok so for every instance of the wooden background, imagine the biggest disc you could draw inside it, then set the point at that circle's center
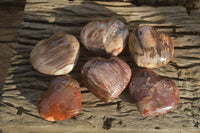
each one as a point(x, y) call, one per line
point(43, 18)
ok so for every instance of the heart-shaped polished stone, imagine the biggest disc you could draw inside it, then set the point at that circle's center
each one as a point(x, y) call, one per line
point(150, 48)
point(56, 55)
point(105, 37)
point(153, 94)
point(62, 100)
point(106, 78)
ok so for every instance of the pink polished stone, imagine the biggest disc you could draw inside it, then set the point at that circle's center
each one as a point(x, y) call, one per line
point(62, 100)
point(153, 94)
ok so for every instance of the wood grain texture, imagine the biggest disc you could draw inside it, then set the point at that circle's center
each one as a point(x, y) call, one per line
point(43, 18)
point(11, 17)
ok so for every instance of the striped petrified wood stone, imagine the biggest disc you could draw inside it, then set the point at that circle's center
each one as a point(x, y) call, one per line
point(43, 18)
point(56, 55)
point(150, 48)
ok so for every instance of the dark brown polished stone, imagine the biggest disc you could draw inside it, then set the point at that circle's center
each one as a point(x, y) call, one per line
point(150, 48)
point(106, 78)
point(153, 94)
point(62, 100)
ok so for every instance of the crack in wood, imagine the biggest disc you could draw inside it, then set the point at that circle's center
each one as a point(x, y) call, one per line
point(57, 23)
point(187, 47)
point(20, 110)
point(107, 123)
point(191, 99)
point(85, 91)
point(196, 124)
point(106, 104)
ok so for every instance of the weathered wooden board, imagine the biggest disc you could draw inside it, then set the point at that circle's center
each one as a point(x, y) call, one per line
point(10, 19)
point(43, 18)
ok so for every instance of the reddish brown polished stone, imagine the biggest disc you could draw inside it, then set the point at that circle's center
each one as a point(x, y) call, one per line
point(106, 78)
point(153, 94)
point(150, 48)
point(62, 100)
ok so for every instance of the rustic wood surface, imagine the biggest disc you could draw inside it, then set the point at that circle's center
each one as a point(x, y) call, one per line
point(43, 18)
point(10, 19)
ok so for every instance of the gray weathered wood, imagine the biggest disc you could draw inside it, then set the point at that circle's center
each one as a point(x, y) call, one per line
point(43, 18)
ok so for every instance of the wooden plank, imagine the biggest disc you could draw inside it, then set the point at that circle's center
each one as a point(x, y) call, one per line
point(43, 18)
point(10, 19)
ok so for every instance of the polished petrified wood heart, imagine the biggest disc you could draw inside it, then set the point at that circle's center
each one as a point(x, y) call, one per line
point(153, 94)
point(62, 100)
point(56, 55)
point(106, 78)
point(105, 37)
point(150, 48)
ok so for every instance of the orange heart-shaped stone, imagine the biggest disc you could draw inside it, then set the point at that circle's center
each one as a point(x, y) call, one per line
point(62, 100)
point(153, 94)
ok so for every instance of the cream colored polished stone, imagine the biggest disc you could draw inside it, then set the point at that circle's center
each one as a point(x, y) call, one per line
point(56, 55)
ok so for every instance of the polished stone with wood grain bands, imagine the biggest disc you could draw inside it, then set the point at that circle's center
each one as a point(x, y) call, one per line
point(56, 55)
point(106, 78)
point(150, 48)
point(105, 37)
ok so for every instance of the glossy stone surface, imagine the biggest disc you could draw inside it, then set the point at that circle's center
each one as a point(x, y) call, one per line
point(62, 100)
point(150, 48)
point(153, 94)
point(56, 55)
point(106, 78)
point(105, 37)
